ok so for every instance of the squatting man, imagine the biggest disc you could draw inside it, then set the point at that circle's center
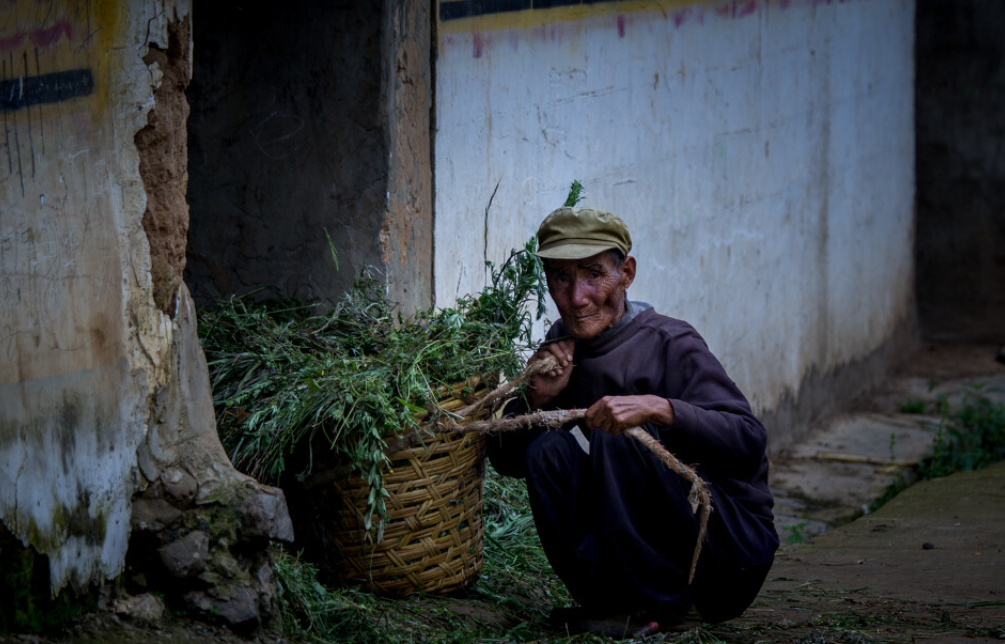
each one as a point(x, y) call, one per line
point(614, 521)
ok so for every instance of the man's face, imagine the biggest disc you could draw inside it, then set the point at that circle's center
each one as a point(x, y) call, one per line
point(590, 292)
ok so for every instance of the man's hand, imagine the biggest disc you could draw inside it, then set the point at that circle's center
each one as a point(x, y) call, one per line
point(546, 385)
point(615, 414)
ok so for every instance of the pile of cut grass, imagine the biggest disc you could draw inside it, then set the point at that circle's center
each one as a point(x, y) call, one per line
point(288, 380)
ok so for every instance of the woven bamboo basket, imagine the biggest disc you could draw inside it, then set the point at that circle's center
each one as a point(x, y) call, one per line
point(433, 537)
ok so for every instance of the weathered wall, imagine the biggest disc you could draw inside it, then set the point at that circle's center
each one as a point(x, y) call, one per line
point(761, 152)
point(286, 142)
point(104, 393)
point(81, 341)
point(961, 170)
point(407, 237)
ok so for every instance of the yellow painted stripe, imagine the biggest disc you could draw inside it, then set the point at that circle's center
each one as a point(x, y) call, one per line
point(531, 18)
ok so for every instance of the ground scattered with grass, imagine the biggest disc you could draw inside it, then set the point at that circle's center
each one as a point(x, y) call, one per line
point(517, 589)
point(821, 591)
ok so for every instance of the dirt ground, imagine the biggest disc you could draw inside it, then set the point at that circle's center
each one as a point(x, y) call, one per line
point(926, 567)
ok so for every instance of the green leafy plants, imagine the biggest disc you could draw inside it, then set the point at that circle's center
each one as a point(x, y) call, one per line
point(293, 385)
point(312, 613)
point(575, 194)
point(796, 533)
point(970, 437)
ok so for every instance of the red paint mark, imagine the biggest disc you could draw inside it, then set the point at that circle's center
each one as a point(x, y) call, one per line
point(478, 44)
point(680, 17)
point(11, 42)
point(45, 37)
point(747, 8)
point(725, 10)
point(784, 4)
point(40, 37)
point(621, 26)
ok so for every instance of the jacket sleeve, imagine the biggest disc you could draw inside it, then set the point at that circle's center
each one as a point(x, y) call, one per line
point(713, 422)
point(507, 451)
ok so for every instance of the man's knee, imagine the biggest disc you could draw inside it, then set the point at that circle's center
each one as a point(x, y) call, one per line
point(551, 453)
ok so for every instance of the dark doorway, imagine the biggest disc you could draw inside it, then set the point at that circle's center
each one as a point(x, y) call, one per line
point(960, 116)
point(285, 148)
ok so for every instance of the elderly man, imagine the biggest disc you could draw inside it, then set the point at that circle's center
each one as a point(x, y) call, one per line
point(615, 522)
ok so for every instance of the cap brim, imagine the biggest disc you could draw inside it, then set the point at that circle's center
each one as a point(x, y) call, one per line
point(573, 250)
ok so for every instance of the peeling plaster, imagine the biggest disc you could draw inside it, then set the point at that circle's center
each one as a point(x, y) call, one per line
point(82, 348)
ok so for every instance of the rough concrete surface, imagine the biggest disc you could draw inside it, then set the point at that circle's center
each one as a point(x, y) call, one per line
point(847, 462)
point(926, 567)
point(886, 552)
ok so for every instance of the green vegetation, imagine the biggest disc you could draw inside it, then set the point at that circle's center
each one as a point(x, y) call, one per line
point(509, 602)
point(970, 437)
point(575, 194)
point(26, 602)
point(347, 379)
point(795, 533)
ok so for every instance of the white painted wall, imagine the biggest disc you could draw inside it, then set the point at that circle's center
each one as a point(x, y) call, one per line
point(82, 348)
point(761, 153)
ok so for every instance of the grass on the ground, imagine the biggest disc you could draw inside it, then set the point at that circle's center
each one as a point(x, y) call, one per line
point(970, 435)
point(508, 603)
point(517, 588)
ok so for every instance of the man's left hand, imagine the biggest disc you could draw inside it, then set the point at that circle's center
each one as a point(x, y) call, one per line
point(615, 414)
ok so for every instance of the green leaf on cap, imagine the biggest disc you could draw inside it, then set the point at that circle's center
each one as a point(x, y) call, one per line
point(575, 194)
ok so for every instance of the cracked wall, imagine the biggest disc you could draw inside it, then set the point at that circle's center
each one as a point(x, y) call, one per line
point(163, 149)
point(81, 345)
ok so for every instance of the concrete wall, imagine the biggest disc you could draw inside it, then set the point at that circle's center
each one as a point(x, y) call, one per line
point(961, 170)
point(761, 152)
point(81, 344)
point(311, 118)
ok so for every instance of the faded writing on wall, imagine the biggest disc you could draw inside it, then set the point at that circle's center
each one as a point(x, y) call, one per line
point(80, 342)
point(58, 269)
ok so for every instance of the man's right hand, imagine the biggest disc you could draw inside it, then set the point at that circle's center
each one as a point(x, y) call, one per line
point(546, 385)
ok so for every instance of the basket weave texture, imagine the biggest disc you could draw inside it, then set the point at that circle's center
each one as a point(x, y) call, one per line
point(433, 536)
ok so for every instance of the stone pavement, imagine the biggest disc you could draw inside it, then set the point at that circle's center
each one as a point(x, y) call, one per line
point(939, 541)
point(849, 461)
point(928, 566)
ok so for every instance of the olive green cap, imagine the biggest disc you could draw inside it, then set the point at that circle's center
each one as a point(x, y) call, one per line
point(575, 233)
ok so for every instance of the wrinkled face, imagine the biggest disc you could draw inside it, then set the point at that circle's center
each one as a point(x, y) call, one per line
point(590, 293)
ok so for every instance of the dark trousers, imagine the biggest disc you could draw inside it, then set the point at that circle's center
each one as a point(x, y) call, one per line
point(618, 530)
